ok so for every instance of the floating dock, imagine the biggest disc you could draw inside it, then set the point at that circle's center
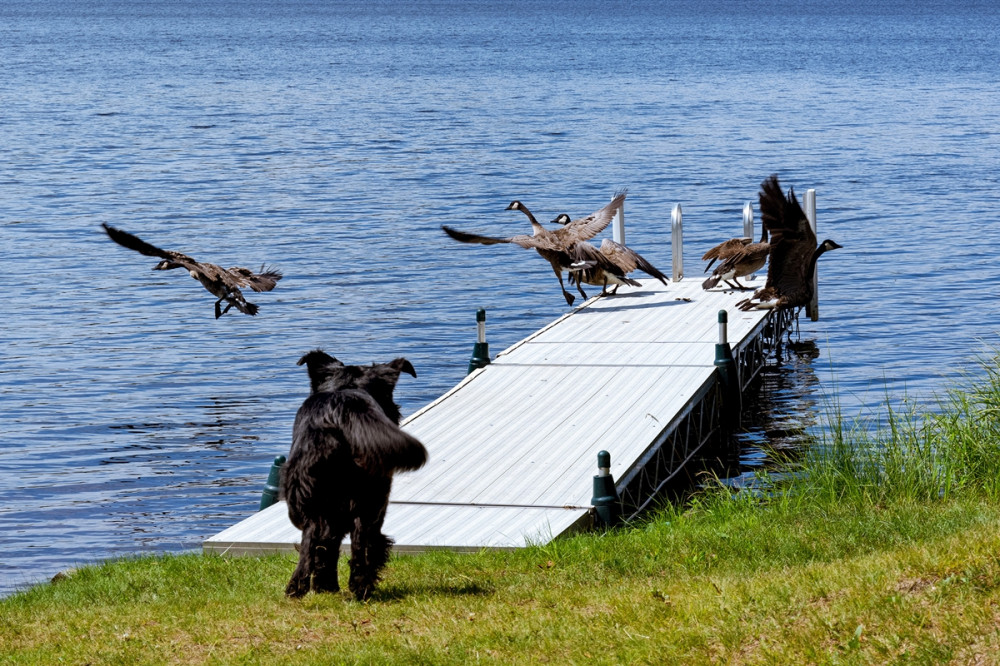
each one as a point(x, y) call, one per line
point(513, 447)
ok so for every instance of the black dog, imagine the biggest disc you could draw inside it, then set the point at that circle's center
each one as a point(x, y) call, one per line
point(346, 444)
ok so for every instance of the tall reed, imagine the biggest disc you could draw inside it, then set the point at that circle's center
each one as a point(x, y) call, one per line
point(909, 452)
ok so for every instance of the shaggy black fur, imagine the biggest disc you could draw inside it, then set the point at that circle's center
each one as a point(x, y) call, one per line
point(346, 444)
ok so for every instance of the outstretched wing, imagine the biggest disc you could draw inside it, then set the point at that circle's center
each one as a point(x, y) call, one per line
point(629, 260)
point(725, 248)
point(585, 228)
point(265, 280)
point(126, 239)
point(782, 215)
point(523, 240)
point(589, 257)
point(792, 239)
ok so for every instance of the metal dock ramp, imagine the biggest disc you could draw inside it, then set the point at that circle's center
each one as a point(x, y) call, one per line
point(513, 447)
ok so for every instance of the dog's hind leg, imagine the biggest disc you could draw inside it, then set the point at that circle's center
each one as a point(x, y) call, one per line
point(299, 584)
point(328, 542)
point(369, 547)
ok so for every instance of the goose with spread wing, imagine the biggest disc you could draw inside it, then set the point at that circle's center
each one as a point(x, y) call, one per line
point(588, 267)
point(746, 260)
point(793, 253)
point(223, 283)
point(554, 245)
point(726, 249)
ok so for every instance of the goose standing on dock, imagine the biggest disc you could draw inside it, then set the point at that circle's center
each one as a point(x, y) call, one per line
point(587, 269)
point(223, 283)
point(748, 259)
point(554, 245)
point(726, 249)
point(793, 251)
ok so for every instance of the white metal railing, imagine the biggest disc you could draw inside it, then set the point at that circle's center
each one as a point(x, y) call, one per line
point(809, 205)
point(618, 228)
point(677, 242)
point(677, 239)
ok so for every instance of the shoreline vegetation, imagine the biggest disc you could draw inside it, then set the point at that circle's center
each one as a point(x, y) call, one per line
point(884, 547)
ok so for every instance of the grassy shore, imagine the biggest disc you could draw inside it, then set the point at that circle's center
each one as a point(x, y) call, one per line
point(885, 550)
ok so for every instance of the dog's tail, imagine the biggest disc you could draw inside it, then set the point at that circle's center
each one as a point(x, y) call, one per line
point(394, 451)
point(379, 446)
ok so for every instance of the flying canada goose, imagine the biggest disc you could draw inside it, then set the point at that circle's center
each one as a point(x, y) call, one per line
point(554, 245)
point(748, 259)
point(221, 282)
point(793, 251)
point(587, 269)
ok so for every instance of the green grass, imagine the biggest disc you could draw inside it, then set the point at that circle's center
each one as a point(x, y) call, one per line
point(885, 550)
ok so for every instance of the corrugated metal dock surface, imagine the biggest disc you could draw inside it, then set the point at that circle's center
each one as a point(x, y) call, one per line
point(513, 447)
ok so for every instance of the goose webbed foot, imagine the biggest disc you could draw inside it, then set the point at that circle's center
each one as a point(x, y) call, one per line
point(741, 287)
point(569, 297)
point(218, 310)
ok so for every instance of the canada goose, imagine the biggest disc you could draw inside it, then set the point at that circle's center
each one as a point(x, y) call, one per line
point(221, 282)
point(749, 259)
point(729, 248)
point(587, 269)
point(725, 249)
point(554, 245)
point(793, 251)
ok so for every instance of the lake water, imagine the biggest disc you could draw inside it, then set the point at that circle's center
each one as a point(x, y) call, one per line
point(333, 139)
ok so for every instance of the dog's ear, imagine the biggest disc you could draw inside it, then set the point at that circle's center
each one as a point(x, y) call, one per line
point(317, 357)
point(325, 372)
point(388, 373)
point(379, 381)
point(403, 365)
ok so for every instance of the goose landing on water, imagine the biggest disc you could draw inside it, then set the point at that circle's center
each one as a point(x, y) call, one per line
point(553, 246)
point(793, 251)
point(224, 283)
point(587, 267)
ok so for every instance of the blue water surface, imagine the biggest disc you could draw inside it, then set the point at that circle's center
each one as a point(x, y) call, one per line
point(333, 139)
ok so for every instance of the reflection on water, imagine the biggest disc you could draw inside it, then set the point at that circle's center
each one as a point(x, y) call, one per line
point(778, 420)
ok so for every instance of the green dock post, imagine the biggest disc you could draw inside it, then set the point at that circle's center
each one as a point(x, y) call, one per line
point(729, 380)
point(605, 501)
point(481, 350)
point(270, 494)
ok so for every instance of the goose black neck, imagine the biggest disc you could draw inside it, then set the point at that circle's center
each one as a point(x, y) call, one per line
point(815, 257)
point(531, 218)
